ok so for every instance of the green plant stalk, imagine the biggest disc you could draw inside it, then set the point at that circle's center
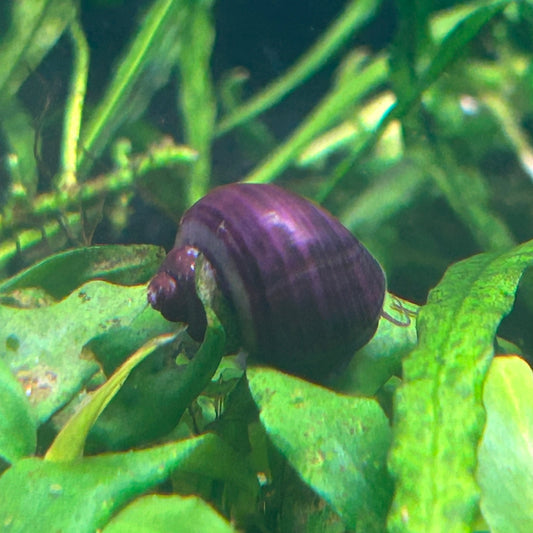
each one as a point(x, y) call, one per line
point(465, 193)
point(334, 105)
point(74, 108)
point(448, 51)
point(353, 17)
point(129, 70)
point(28, 239)
point(49, 204)
point(503, 111)
point(196, 93)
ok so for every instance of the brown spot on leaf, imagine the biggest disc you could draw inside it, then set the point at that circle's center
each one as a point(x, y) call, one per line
point(38, 383)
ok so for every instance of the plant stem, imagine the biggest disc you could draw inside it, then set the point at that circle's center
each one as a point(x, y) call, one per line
point(353, 17)
point(74, 108)
point(334, 105)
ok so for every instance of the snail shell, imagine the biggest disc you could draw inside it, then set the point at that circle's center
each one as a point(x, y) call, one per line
point(306, 293)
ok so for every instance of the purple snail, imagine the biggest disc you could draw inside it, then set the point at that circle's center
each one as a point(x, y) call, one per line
point(306, 294)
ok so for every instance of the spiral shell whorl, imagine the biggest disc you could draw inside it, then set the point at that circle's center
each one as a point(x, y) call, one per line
point(306, 292)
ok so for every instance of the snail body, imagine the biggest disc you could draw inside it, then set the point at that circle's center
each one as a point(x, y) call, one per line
point(305, 292)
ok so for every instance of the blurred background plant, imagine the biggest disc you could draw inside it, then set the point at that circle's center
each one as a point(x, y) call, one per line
point(411, 121)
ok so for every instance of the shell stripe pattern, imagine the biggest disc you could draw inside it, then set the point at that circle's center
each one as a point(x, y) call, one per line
point(300, 281)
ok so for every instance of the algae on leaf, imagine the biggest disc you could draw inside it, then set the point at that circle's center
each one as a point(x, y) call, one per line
point(439, 414)
point(49, 340)
point(338, 444)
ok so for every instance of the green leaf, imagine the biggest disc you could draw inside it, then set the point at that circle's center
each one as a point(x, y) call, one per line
point(144, 68)
point(18, 431)
point(62, 273)
point(338, 444)
point(222, 462)
point(35, 26)
point(112, 348)
point(82, 495)
point(354, 16)
point(161, 514)
point(439, 415)
point(505, 458)
point(155, 404)
point(69, 443)
point(18, 128)
point(452, 46)
point(48, 341)
point(197, 96)
point(385, 198)
point(459, 36)
point(336, 104)
point(381, 358)
point(468, 195)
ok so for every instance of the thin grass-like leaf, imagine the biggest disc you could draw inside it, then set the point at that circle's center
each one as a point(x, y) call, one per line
point(74, 107)
point(448, 51)
point(143, 69)
point(344, 97)
point(354, 16)
point(196, 91)
point(69, 443)
point(35, 27)
point(19, 133)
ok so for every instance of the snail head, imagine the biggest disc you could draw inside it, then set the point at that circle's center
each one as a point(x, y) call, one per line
point(172, 291)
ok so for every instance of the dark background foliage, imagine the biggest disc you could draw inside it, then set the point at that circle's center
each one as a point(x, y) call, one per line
point(265, 39)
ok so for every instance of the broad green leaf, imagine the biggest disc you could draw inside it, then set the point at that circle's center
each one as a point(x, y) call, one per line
point(18, 430)
point(505, 457)
point(47, 356)
point(81, 496)
point(218, 461)
point(62, 273)
point(150, 410)
point(69, 443)
point(338, 444)
point(161, 514)
point(439, 415)
point(112, 348)
point(35, 26)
